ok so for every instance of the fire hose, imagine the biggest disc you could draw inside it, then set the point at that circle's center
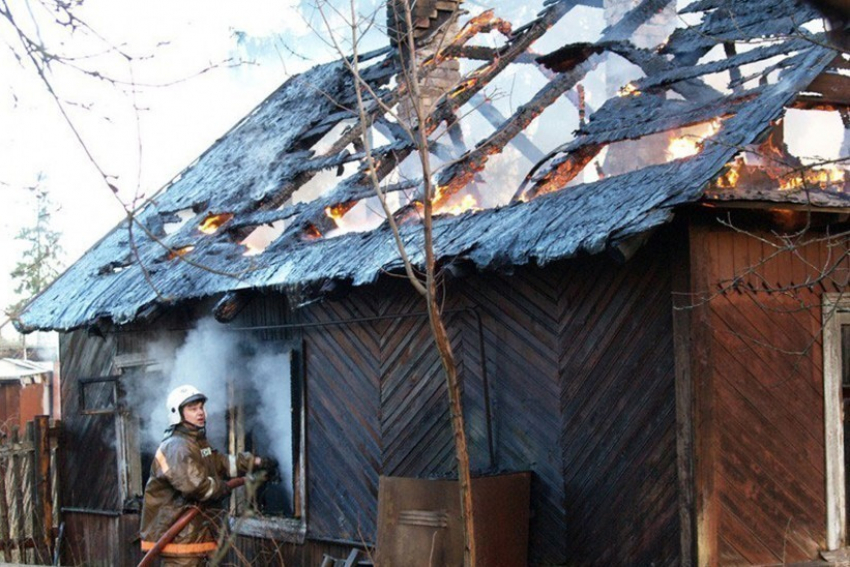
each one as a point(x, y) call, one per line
point(178, 526)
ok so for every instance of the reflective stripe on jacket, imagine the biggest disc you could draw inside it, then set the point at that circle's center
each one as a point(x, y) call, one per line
point(187, 472)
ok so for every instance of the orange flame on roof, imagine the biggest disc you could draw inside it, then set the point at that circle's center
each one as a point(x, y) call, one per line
point(462, 86)
point(691, 144)
point(179, 252)
point(468, 203)
point(213, 222)
point(312, 233)
point(730, 177)
point(336, 212)
point(630, 89)
point(816, 177)
point(482, 23)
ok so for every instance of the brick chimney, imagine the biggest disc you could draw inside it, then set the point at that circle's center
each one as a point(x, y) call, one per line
point(435, 24)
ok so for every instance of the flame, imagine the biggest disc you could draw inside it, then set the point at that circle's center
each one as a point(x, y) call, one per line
point(336, 212)
point(177, 252)
point(682, 148)
point(312, 233)
point(820, 177)
point(730, 177)
point(565, 171)
point(212, 223)
point(691, 144)
point(482, 23)
point(468, 203)
point(629, 89)
point(439, 193)
point(462, 86)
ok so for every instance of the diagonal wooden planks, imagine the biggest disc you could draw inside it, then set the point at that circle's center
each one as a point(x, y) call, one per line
point(343, 434)
point(618, 405)
point(580, 367)
point(767, 380)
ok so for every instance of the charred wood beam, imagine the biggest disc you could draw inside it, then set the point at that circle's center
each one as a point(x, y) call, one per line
point(652, 64)
point(562, 173)
point(482, 53)
point(633, 19)
point(752, 19)
point(456, 136)
point(569, 56)
point(485, 22)
point(510, 52)
point(231, 304)
point(391, 130)
point(730, 51)
point(614, 121)
point(461, 172)
point(578, 100)
point(676, 74)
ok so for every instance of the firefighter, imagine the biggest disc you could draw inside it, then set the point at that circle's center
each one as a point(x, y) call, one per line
point(187, 472)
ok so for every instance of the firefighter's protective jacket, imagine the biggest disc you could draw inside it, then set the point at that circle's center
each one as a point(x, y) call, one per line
point(187, 472)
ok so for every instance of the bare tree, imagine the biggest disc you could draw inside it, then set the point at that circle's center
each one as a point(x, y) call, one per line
point(415, 122)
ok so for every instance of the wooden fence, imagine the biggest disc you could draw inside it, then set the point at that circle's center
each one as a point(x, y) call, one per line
point(28, 492)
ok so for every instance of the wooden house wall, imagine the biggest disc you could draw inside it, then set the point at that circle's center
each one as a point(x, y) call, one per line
point(32, 402)
point(10, 405)
point(579, 358)
point(90, 475)
point(759, 399)
point(88, 484)
point(20, 403)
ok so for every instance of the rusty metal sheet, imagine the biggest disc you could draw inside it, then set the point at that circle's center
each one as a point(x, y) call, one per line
point(419, 521)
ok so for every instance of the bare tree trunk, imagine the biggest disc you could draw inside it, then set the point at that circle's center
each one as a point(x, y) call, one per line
point(444, 347)
point(427, 288)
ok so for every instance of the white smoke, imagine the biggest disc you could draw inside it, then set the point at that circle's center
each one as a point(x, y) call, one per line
point(209, 358)
point(270, 374)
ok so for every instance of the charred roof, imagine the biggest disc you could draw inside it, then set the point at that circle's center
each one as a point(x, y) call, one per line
point(267, 205)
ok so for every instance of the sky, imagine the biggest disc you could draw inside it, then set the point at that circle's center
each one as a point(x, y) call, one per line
point(141, 137)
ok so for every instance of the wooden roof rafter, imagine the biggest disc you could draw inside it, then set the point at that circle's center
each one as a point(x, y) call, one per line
point(229, 179)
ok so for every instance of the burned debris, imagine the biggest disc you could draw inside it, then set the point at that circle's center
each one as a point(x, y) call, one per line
point(283, 199)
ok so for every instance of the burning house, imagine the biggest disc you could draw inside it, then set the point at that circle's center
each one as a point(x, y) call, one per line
point(644, 275)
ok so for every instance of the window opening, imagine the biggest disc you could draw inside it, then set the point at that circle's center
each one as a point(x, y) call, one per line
point(265, 418)
point(98, 395)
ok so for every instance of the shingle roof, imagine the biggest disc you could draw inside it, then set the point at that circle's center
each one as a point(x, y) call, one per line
point(253, 169)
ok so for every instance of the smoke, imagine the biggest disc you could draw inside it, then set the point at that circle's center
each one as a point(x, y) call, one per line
point(270, 377)
point(209, 358)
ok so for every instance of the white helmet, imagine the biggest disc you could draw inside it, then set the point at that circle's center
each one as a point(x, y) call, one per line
point(179, 397)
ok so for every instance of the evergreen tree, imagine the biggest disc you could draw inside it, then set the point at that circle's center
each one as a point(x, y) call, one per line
point(41, 260)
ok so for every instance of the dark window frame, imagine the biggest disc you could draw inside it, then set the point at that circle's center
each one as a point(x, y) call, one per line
point(83, 382)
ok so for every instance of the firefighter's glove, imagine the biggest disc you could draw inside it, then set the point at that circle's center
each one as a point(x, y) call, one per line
point(223, 492)
point(270, 465)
